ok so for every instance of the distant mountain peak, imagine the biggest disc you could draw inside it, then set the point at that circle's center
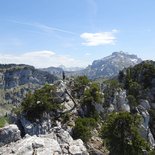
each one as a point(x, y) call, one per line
point(111, 65)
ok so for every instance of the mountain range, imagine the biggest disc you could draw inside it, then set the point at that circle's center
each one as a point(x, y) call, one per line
point(16, 80)
point(105, 67)
point(70, 114)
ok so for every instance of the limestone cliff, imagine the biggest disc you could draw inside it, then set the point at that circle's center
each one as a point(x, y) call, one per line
point(17, 80)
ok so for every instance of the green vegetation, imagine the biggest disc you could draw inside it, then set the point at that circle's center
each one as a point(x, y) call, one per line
point(83, 128)
point(80, 83)
point(41, 101)
point(109, 90)
point(120, 131)
point(138, 80)
point(142, 74)
point(152, 152)
point(132, 101)
point(92, 95)
point(3, 120)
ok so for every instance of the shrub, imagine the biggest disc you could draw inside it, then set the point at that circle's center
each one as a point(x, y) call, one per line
point(79, 85)
point(132, 101)
point(121, 134)
point(41, 101)
point(83, 127)
point(3, 121)
point(92, 95)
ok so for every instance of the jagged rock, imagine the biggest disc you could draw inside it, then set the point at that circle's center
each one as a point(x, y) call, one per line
point(57, 142)
point(120, 101)
point(96, 147)
point(144, 129)
point(63, 137)
point(34, 145)
point(68, 106)
point(9, 134)
point(99, 108)
point(61, 86)
point(77, 147)
point(145, 104)
point(36, 128)
point(111, 108)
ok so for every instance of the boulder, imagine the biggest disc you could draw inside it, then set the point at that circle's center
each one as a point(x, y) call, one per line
point(58, 142)
point(36, 128)
point(9, 134)
point(120, 101)
point(145, 104)
point(144, 128)
point(77, 147)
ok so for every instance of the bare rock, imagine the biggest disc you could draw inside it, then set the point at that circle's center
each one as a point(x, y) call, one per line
point(9, 134)
point(58, 142)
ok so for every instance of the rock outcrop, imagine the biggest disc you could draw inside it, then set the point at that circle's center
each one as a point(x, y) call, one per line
point(145, 131)
point(9, 134)
point(58, 142)
point(17, 80)
point(35, 128)
point(119, 101)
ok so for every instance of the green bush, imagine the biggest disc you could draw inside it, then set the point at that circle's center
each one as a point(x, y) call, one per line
point(152, 152)
point(3, 121)
point(142, 74)
point(41, 101)
point(120, 131)
point(79, 85)
point(92, 95)
point(83, 127)
point(132, 101)
point(134, 89)
point(110, 88)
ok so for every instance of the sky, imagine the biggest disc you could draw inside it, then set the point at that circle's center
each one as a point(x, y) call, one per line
point(73, 33)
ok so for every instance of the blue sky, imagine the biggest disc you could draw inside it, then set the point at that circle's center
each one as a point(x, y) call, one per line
point(74, 32)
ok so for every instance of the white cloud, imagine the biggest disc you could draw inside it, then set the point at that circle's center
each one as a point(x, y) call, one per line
point(40, 59)
point(100, 38)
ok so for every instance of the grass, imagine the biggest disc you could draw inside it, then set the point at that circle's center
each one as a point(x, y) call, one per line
point(3, 120)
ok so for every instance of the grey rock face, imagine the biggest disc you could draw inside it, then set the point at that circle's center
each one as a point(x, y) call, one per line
point(17, 80)
point(42, 127)
point(119, 101)
point(9, 134)
point(63, 98)
point(144, 129)
point(58, 142)
point(145, 104)
point(110, 65)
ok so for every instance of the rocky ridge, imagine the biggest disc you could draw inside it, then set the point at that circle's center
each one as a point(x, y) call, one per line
point(115, 94)
point(45, 136)
point(58, 141)
point(17, 80)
